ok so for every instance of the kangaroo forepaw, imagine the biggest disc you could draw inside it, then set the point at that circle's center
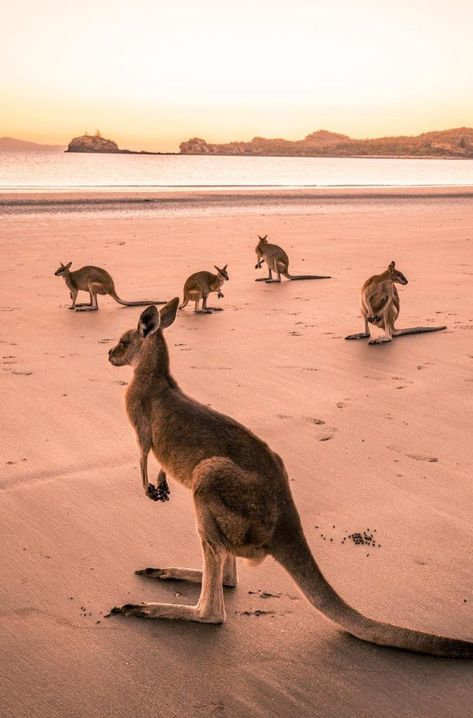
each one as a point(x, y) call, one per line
point(158, 493)
point(220, 295)
point(374, 319)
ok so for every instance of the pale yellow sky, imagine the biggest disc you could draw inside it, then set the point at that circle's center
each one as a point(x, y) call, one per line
point(151, 73)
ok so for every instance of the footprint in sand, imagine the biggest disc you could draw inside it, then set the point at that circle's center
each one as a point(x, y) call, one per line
point(415, 457)
point(422, 457)
point(313, 420)
point(264, 594)
point(21, 373)
point(258, 612)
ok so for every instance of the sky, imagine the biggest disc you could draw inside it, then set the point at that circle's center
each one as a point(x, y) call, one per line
point(150, 74)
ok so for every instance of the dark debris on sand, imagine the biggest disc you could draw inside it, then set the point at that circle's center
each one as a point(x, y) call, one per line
point(363, 538)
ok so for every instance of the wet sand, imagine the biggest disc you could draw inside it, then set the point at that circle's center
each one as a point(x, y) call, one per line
point(374, 438)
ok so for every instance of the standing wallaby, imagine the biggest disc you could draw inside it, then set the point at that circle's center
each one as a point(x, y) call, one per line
point(241, 493)
point(380, 306)
point(277, 261)
point(95, 281)
point(198, 287)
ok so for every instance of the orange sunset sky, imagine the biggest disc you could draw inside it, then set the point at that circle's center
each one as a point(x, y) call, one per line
point(150, 74)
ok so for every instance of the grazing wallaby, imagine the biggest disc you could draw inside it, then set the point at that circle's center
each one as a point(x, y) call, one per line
point(198, 287)
point(380, 306)
point(277, 261)
point(95, 281)
point(241, 493)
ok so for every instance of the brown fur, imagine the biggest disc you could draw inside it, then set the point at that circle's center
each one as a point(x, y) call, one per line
point(380, 307)
point(277, 261)
point(241, 494)
point(95, 281)
point(198, 287)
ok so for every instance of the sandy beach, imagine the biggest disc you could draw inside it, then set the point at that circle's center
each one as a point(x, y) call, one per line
point(374, 438)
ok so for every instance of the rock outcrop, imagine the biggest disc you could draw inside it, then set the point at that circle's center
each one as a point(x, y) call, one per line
point(92, 143)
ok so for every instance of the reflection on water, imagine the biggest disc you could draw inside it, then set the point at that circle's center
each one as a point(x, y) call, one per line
point(51, 170)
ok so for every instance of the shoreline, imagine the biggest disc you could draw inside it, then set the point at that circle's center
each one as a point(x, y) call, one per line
point(28, 201)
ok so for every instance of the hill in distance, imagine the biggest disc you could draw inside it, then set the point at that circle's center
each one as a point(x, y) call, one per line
point(10, 144)
point(445, 143)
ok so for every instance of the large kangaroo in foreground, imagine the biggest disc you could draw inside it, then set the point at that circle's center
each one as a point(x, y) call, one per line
point(241, 494)
point(277, 261)
point(95, 281)
point(380, 307)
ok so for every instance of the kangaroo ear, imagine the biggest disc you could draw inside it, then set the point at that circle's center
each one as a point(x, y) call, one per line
point(68, 265)
point(391, 266)
point(168, 313)
point(149, 321)
point(225, 267)
point(217, 268)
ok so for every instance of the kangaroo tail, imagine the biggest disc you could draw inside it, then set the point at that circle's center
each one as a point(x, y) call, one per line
point(141, 303)
point(297, 559)
point(306, 276)
point(417, 330)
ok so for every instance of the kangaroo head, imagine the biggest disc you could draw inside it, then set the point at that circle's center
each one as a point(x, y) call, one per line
point(395, 275)
point(222, 272)
point(62, 269)
point(263, 240)
point(128, 349)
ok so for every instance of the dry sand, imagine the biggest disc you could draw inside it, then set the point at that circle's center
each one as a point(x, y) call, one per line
point(373, 437)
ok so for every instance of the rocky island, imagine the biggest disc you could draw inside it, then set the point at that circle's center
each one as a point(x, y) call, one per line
point(455, 143)
point(98, 144)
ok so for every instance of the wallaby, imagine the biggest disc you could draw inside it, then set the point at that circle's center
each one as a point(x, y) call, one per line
point(95, 281)
point(277, 261)
point(198, 287)
point(241, 493)
point(380, 306)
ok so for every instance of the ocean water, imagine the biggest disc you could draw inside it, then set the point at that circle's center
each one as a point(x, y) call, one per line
point(59, 171)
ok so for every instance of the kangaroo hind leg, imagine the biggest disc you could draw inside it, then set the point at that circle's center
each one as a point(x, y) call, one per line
point(279, 269)
point(209, 609)
point(93, 305)
point(192, 574)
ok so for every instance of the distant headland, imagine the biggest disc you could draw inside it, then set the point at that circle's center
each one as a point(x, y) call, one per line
point(455, 143)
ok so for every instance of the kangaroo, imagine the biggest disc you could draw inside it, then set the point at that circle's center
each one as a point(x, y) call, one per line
point(242, 499)
point(380, 306)
point(198, 287)
point(277, 261)
point(95, 281)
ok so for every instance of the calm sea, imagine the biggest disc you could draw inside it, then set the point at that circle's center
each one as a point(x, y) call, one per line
point(61, 171)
